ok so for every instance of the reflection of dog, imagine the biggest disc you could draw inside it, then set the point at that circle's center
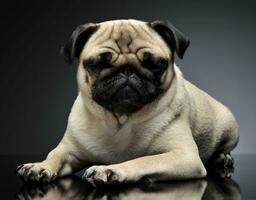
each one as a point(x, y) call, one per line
point(135, 115)
point(74, 188)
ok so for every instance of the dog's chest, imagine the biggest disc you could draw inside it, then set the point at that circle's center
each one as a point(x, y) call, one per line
point(110, 146)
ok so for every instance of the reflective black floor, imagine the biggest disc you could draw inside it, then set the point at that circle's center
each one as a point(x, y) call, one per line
point(241, 186)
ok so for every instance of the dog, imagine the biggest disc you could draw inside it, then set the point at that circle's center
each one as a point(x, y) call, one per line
point(136, 117)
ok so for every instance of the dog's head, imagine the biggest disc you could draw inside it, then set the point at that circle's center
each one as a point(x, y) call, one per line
point(125, 64)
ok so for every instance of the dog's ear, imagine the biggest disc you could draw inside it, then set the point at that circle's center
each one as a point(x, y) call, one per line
point(75, 44)
point(175, 39)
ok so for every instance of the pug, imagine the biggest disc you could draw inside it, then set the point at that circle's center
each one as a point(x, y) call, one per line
point(136, 117)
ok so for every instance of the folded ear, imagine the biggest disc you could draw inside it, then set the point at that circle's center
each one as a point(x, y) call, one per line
point(175, 39)
point(75, 44)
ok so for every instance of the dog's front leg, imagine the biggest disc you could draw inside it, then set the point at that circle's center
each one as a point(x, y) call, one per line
point(167, 166)
point(60, 161)
point(182, 161)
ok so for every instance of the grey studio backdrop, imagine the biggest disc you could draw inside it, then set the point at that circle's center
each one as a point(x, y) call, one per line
point(38, 88)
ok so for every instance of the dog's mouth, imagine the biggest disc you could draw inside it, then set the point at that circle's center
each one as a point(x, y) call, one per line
point(124, 95)
point(125, 98)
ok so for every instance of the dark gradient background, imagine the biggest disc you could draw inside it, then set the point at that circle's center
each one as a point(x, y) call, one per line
point(37, 88)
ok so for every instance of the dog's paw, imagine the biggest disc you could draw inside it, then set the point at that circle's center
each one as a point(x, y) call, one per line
point(224, 165)
point(102, 175)
point(35, 172)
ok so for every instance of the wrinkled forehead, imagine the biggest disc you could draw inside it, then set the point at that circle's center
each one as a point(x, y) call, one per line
point(126, 36)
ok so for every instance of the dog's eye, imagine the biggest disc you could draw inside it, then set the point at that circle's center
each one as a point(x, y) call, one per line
point(105, 57)
point(154, 63)
point(89, 62)
point(102, 61)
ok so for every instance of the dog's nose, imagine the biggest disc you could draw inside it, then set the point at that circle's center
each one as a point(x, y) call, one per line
point(127, 72)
